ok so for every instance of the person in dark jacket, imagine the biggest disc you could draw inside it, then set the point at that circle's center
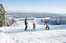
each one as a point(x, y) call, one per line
point(26, 23)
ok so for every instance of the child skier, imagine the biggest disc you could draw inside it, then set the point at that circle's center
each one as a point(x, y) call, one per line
point(47, 26)
point(34, 26)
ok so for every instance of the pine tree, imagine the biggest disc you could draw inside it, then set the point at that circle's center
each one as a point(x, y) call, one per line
point(2, 15)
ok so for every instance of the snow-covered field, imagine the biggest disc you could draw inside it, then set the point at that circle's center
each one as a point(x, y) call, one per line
point(52, 36)
point(16, 34)
point(48, 36)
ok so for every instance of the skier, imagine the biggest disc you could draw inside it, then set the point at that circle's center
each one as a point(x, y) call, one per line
point(26, 23)
point(47, 26)
point(34, 26)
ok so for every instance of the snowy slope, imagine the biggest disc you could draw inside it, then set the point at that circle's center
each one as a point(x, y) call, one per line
point(16, 34)
point(48, 36)
point(52, 36)
point(19, 25)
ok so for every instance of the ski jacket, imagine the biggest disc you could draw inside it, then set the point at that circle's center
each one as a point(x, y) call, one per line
point(46, 24)
point(26, 22)
point(34, 25)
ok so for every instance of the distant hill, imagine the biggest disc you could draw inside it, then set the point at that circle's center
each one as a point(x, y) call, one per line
point(53, 15)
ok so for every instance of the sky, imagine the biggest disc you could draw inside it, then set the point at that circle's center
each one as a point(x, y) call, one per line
point(50, 6)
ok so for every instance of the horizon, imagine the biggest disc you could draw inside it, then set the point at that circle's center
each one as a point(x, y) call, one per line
point(49, 6)
point(33, 12)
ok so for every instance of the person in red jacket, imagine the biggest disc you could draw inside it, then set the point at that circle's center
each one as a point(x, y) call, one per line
point(47, 26)
point(34, 26)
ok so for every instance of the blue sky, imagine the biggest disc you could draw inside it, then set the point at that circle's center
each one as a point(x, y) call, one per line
point(51, 6)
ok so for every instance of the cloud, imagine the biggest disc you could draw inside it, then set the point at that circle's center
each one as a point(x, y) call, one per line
point(49, 10)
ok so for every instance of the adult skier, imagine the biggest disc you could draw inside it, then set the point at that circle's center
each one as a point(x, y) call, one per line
point(25, 23)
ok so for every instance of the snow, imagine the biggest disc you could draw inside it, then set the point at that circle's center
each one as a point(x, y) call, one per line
point(16, 34)
point(4, 38)
point(49, 36)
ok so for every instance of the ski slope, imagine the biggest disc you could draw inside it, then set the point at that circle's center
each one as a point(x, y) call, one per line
point(16, 34)
point(52, 36)
point(48, 36)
